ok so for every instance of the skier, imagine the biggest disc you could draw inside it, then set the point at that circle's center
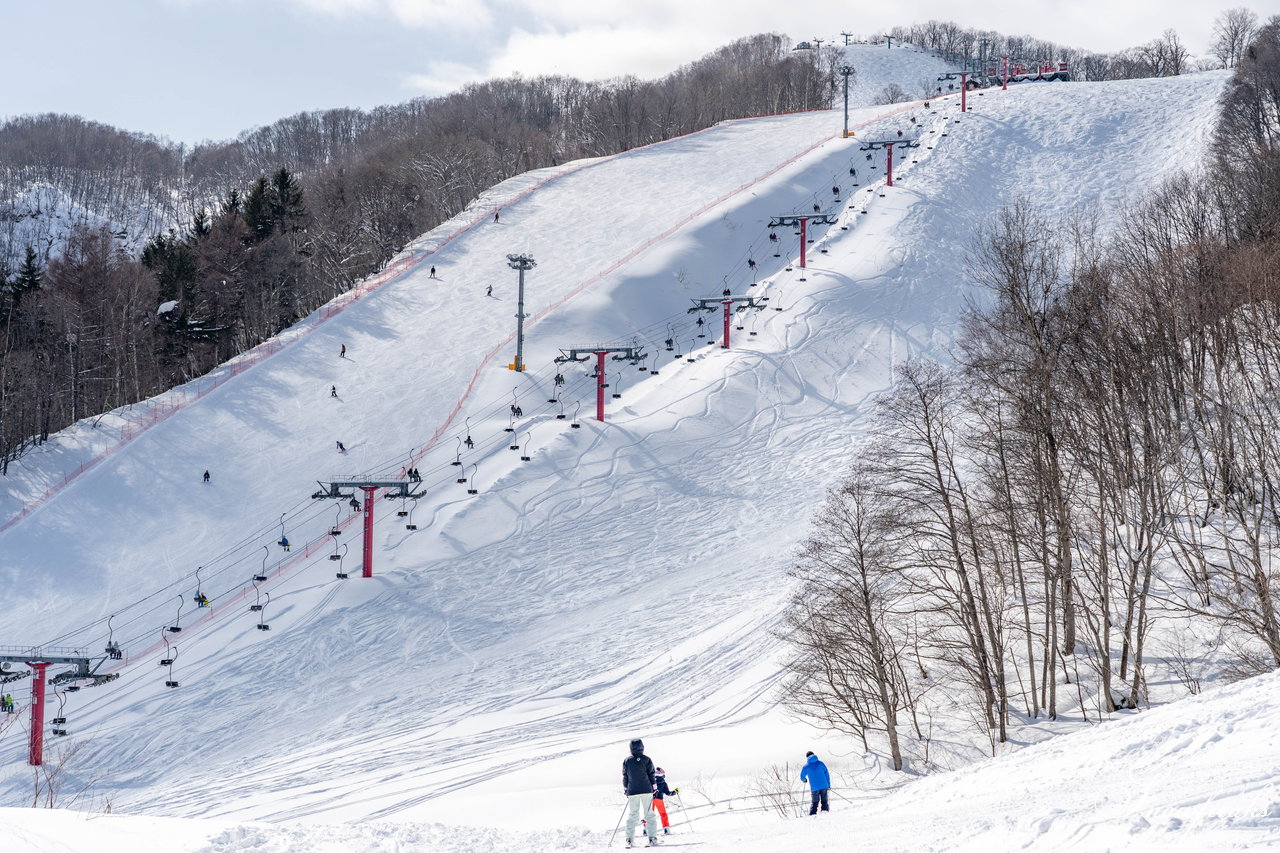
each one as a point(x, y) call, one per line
point(660, 789)
point(899, 133)
point(284, 542)
point(469, 443)
point(355, 504)
point(489, 292)
point(638, 785)
point(816, 207)
point(835, 191)
point(341, 449)
point(342, 353)
point(206, 476)
point(559, 379)
point(201, 599)
point(333, 390)
point(433, 272)
point(815, 773)
point(773, 236)
point(6, 704)
point(853, 173)
point(751, 263)
point(725, 292)
point(495, 215)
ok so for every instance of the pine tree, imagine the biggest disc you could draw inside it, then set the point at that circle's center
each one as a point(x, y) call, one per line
point(30, 274)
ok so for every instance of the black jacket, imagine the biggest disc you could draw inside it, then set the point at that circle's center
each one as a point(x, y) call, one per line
point(637, 775)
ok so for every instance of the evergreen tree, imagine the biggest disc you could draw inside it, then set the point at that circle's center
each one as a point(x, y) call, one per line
point(30, 274)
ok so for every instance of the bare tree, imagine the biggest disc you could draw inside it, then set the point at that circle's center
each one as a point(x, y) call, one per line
point(1232, 32)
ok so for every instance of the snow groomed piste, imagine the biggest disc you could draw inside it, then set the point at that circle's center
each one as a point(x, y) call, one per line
point(488, 650)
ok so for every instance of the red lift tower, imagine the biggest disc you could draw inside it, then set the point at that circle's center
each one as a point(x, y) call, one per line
point(631, 354)
point(344, 488)
point(792, 219)
point(964, 87)
point(728, 302)
point(85, 669)
point(888, 145)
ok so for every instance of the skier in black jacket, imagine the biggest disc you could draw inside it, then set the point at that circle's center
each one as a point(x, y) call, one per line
point(638, 784)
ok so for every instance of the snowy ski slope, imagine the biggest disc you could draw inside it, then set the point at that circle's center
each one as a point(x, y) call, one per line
point(621, 582)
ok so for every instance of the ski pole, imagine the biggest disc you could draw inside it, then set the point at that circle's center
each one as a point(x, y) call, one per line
point(684, 816)
point(616, 825)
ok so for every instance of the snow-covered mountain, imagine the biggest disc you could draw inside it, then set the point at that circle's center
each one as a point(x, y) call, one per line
point(624, 580)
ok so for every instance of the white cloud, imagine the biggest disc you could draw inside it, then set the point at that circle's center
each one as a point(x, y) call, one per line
point(466, 15)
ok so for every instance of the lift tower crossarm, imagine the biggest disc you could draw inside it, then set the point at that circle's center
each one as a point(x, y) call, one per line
point(727, 302)
point(632, 354)
point(369, 485)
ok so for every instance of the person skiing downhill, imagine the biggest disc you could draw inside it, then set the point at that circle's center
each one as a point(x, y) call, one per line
point(638, 784)
point(815, 773)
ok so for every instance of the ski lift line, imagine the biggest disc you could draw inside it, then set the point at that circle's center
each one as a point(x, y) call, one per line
point(634, 253)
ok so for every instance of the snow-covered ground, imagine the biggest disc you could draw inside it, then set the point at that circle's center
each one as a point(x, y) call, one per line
point(625, 579)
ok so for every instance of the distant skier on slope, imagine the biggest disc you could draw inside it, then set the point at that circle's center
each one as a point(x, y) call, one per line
point(638, 784)
point(206, 475)
point(815, 773)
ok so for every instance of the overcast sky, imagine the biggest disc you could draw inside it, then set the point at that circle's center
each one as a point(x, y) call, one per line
point(193, 70)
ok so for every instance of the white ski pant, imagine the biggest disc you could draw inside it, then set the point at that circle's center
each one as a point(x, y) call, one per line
point(635, 804)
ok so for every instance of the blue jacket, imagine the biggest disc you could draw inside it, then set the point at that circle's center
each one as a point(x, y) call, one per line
point(815, 773)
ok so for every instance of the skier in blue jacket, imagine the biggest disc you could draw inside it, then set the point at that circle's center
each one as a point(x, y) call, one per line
point(815, 773)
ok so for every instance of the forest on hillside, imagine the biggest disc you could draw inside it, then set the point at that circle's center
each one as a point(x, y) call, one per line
point(1104, 456)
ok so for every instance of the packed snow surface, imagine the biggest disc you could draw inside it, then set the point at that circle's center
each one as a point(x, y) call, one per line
point(569, 588)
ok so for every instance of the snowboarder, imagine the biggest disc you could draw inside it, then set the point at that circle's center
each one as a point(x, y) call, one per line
point(206, 476)
point(489, 292)
point(660, 790)
point(638, 785)
point(201, 599)
point(333, 390)
point(815, 773)
point(433, 272)
point(342, 353)
point(284, 542)
point(341, 449)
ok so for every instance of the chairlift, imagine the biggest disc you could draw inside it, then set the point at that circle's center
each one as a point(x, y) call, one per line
point(337, 519)
point(199, 598)
point(256, 607)
point(524, 456)
point(471, 489)
point(173, 655)
point(263, 626)
point(262, 575)
point(457, 454)
point(60, 722)
point(176, 626)
point(409, 525)
point(113, 648)
point(402, 512)
point(341, 575)
point(561, 415)
point(576, 408)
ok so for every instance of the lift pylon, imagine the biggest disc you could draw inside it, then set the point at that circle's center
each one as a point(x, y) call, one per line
point(888, 145)
point(964, 87)
point(344, 488)
point(711, 303)
point(790, 220)
point(84, 668)
point(632, 354)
